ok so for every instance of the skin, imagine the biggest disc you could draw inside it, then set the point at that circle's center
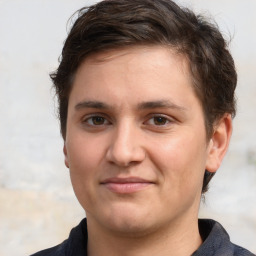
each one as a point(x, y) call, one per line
point(137, 151)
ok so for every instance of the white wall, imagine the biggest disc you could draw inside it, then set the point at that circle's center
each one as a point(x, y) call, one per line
point(37, 205)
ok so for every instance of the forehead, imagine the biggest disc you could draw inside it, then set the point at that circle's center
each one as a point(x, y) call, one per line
point(156, 54)
point(142, 71)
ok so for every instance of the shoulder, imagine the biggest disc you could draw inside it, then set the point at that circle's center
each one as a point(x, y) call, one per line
point(240, 251)
point(76, 244)
point(217, 241)
point(58, 250)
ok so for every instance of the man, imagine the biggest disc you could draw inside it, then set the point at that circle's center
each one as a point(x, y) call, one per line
point(146, 100)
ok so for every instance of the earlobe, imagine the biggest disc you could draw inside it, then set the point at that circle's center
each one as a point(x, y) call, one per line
point(219, 142)
point(66, 155)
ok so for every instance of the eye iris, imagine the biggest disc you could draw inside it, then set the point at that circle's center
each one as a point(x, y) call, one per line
point(97, 120)
point(159, 120)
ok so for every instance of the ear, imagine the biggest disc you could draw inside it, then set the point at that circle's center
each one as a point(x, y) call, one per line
point(219, 142)
point(66, 155)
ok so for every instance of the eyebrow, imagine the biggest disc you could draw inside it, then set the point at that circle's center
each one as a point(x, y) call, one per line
point(92, 104)
point(141, 106)
point(160, 104)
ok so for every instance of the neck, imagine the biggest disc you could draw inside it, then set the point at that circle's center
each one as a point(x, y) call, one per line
point(181, 238)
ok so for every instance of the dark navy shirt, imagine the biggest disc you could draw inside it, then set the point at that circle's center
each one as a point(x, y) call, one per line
point(216, 242)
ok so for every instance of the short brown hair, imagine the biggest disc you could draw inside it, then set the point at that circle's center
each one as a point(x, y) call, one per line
point(111, 24)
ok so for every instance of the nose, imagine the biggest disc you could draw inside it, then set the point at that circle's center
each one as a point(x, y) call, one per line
point(126, 146)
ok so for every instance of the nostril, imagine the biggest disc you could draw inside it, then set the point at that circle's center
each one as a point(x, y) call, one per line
point(124, 156)
point(125, 147)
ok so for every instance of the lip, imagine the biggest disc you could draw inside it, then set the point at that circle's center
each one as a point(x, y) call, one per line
point(126, 185)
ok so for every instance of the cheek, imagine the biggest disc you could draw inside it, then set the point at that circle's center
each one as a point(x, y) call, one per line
point(181, 161)
point(85, 153)
point(171, 152)
point(84, 157)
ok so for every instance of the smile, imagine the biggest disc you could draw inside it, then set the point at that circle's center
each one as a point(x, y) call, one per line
point(126, 185)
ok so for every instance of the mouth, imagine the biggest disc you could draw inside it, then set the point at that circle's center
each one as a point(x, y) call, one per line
point(126, 185)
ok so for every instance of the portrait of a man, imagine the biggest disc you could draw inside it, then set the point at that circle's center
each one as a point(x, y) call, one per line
point(146, 93)
point(146, 101)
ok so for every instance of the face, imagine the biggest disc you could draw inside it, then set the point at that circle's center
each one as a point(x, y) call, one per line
point(136, 141)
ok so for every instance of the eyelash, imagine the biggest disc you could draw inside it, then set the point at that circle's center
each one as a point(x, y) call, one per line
point(161, 118)
point(89, 120)
point(150, 121)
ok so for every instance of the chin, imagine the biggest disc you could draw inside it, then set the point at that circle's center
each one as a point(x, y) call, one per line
point(129, 221)
point(129, 228)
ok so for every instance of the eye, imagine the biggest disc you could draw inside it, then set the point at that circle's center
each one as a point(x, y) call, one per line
point(96, 121)
point(158, 120)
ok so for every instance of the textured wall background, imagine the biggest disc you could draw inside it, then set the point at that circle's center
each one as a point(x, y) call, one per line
point(37, 205)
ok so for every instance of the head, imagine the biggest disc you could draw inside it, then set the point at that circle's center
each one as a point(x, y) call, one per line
point(113, 24)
